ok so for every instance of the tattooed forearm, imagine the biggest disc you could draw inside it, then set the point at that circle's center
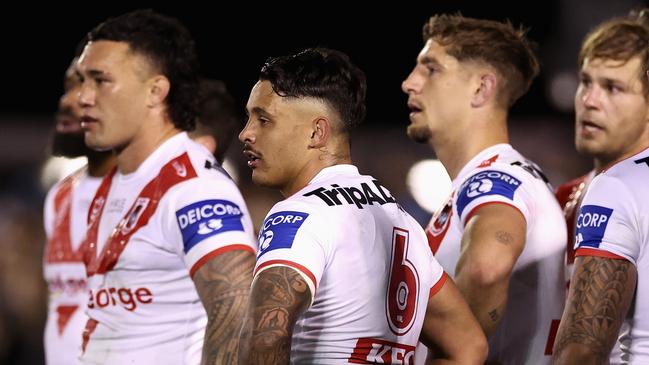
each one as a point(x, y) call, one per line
point(279, 295)
point(504, 237)
point(600, 295)
point(223, 285)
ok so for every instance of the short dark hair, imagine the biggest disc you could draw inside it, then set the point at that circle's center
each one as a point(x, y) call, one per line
point(497, 44)
point(217, 115)
point(169, 47)
point(621, 39)
point(321, 73)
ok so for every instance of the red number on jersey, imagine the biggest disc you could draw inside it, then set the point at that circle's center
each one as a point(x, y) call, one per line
point(403, 288)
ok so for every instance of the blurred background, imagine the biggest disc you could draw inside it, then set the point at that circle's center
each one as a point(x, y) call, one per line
point(233, 44)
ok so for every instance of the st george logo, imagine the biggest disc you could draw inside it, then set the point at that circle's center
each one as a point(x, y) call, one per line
point(136, 211)
point(440, 224)
point(436, 231)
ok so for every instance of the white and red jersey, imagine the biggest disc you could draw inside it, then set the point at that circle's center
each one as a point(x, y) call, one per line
point(149, 231)
point(367, 265)
point(613, 222)
point(501, 175)
point(569, 196)
point(65, 218)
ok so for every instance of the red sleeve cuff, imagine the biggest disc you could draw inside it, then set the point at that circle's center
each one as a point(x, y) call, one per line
point(585, 251)
point(291, 264)
point(438, 286)
point(475, 209)
point(217, 252)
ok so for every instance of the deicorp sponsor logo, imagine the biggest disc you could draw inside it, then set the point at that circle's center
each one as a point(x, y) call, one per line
point(206, 218)
point(489, 182)
point(591, 225)
point(279, 230)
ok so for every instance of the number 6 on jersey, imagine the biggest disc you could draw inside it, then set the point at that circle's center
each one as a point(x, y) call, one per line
point(403, 287)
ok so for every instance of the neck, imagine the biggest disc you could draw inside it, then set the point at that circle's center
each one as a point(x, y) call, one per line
point(455, 150)
point(100, 164)
point(131, 156)
point(323, 160)
point(601, 163)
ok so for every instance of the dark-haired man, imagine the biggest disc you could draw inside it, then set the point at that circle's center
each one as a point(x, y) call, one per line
point(169, 249)
point(343, 273)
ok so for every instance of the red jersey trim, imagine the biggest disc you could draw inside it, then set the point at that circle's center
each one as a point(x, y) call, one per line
point(291, 264)
point(583, 251)
point(59, 244)
point(144, 206)
point(221, 250)
point(91, 325)
point(475, 209)
point(438, 286)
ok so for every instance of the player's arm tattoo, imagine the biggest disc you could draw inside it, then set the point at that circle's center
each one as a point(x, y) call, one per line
point(504, 237)
point(494, 315)
point(278, 296)
point(223, 284)
point(600, 295)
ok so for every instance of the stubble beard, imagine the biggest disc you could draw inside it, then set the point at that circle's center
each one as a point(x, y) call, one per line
point(419, 134)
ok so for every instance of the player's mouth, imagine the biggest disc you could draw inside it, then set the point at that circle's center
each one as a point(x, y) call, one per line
point(66, 122)
point(415, 109)
point(252, 156)
point(87, 121)
point(590, 127)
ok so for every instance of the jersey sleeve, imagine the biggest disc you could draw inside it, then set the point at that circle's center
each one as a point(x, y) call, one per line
point(503, 184)
point(208, 217)
point(439, 278)
point(48, 210)
point(294, 235)
point(606, 225)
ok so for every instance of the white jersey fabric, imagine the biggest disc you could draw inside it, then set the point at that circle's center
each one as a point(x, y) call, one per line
point(65, 218)
point(149, 231)
point(613, 222)
point(569, 196)
point(367, 264)
point(499, 174)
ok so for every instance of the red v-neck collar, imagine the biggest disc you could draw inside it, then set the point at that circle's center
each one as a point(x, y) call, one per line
point(175, 171)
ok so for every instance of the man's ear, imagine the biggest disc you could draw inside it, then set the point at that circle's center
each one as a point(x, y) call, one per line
point(320, 132)
point(158, 90)
point(486, 90)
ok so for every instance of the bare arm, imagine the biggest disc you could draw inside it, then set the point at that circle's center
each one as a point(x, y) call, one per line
point(493, 240)
point(223, 284)
point(279, 295)
point(599, 298)
point(451, 329)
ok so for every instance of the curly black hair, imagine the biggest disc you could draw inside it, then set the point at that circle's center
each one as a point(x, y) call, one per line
point(168, 45)
point(321, 73)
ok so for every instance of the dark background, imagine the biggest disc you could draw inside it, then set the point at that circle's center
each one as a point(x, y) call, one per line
point(233, 44)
